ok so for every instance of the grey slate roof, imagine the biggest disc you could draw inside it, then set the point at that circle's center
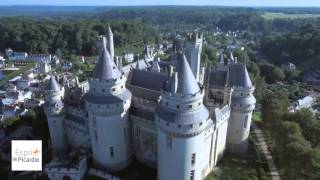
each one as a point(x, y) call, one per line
point(218, 79)
point(106, 68)
point(148, 80)
point(239, 76)
point(144, 93)
point(189, 117)
point(52, 85)
point(187, 83)
point(110, 31)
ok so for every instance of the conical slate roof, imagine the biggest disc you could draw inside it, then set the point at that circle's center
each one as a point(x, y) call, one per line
point(110, 31)
point(105, 68)
point(239, 76)
point(187, 84)
point(221, 58)
point(53, 84)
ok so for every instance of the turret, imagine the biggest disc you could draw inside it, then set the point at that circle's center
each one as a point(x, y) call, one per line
point(183, 128)
point(55, 112)
point(110, 44)
point(107, 103)
point(242, 106)
point(155, 65)
point(193, 49)
point(221, 65)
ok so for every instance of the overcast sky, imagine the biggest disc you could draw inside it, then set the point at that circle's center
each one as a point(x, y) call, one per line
point(294, 3)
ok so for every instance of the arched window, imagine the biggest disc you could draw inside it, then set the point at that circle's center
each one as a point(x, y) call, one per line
point(246, 121)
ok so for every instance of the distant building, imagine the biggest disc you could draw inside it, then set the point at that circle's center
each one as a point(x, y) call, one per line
point(305, 102)
point(40, 58)
point(2, 61)
point(66, 66)
point(55, 60)
point(18, 56)
point(43, 67)
point(288, 66)
point(128, 57)
point(312, 78)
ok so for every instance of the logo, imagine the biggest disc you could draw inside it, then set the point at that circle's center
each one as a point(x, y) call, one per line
point(26, 155)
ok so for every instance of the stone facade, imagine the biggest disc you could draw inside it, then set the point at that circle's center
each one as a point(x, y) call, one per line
point(160, 113)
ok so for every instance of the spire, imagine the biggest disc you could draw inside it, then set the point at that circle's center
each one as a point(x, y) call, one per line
point(109, 31)
point(76, 79)
point(105, 68)
point(155, 65)
point(110, 45)
point(52, 84)
point(138, 65)
point(239, 76)
point(187, 83)
point(231, 56)
point(221, 58)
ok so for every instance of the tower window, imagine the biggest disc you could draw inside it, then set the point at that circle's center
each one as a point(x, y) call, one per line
point(111, 151)
point(178, 106)
point(137, 131)
point(193, 158)
point(246, 121)
point(113, 89)
point(103, 90)
point(192, 175)
point(190, 106)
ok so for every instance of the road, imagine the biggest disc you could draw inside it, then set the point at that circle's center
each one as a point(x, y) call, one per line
point(262, 145)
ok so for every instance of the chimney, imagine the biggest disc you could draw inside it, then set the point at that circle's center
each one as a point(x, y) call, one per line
point(170, 70)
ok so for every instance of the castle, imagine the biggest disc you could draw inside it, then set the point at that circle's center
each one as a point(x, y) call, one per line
point(170, 115)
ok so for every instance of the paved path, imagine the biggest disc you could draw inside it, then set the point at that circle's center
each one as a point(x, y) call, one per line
point(261, 143)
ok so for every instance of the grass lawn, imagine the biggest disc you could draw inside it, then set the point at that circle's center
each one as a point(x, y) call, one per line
point(256, 117)
point(232, 167)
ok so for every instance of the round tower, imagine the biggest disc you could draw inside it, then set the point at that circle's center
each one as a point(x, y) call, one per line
point(242, 106)
point(54, 109)
point(107, 103)
point(184, 129)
